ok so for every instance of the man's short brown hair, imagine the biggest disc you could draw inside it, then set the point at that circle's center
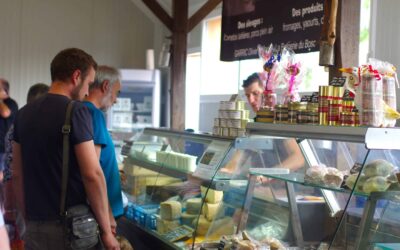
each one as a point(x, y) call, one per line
point(69, 60)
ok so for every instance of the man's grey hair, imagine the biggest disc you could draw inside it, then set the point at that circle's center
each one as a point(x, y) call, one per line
point(104, 73)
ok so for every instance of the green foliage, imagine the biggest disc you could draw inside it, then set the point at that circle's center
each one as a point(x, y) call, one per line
point(364, 35)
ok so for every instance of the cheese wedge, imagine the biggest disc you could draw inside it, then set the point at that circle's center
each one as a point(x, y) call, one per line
point(170, 210)
point(213, 196)
point(193, 206)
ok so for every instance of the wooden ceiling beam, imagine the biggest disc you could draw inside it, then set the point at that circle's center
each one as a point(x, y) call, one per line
point(160, 13)
point(202, 13)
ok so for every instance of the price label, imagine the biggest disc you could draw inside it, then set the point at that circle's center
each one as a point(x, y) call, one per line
point(178, 233)
point(338, 81)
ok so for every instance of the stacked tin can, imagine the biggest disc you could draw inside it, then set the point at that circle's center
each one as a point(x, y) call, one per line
point(232, 119)
point(348, 116)
point(325, 96)
point(313, 115)
point(281, 113)
point(335, 106)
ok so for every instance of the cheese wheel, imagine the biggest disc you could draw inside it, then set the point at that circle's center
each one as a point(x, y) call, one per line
point(210, 211)
point(202, 226)
point(164, 226)
point(213, 196)
point(193, 206)
point(170, 210)
point(187, 219)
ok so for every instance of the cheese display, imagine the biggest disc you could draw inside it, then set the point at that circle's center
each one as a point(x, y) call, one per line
point(193, 206)
point(211, 211)
point(202, 226)
point(180, 161)
point(243, 241)
point(213, 196)
point(378, 167)
point(223, 226)
point(187, 219)
point(232, 118)
point(322, 175)
point(170, 210)
point(164, 226)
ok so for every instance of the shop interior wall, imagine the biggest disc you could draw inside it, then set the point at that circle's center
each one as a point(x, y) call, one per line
point(117, 33)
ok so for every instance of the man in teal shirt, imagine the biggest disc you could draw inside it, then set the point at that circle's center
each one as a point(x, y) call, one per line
point(103, 94)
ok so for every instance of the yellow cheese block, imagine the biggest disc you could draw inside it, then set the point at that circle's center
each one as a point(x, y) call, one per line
point(224, 226)
point(202, 226)
point(211, 211)
point(193, 206)
point(187, 219)
point(213, 196)
point(164, 226)
point(170, 210)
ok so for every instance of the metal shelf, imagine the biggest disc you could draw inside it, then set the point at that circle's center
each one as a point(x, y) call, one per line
point(349, 134)
point(373, 138)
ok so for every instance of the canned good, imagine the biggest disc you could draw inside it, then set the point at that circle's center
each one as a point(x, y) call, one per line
point(223, 114)
point(245, 114)
point(302, 117)
point(281, 113)
point(236, 123)
point(325, 95)
point(337, 93)
point(234, 114)
point(265, 115)
point(217, 131)
point(323, 118)
point(230, 105)
point(313, 117)
point(222, 123)
point(347, 105)
point(239, 105)
point(233, 132)
point(216, 122)
point(348, 119)
point(312, 106)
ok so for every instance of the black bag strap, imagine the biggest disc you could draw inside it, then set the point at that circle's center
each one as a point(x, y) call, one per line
point(66, 130)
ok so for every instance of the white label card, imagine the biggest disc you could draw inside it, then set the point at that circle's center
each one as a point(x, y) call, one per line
point(211, 159)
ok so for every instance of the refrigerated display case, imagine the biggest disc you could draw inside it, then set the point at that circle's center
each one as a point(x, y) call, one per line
point(166, 174)
point(309, 208)
point(248, 197)
point(138, 105)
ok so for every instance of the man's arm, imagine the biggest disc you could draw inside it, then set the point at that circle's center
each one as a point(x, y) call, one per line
point(95, 186)
point(113, 223)
point(17, 177)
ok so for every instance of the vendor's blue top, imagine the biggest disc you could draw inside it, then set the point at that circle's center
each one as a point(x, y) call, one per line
point(108, 159)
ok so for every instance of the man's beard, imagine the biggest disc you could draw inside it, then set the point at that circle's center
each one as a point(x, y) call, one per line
point(75, 93)
point(106, 102)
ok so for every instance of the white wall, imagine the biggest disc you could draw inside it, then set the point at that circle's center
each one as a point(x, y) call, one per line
point(33, 31)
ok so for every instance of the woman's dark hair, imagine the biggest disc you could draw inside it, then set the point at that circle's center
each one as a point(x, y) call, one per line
point(69, 60)
point(37, 90)
point(251, 79)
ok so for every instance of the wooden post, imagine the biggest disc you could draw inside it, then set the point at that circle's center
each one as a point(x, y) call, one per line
point(178, 66)
point(348, 36)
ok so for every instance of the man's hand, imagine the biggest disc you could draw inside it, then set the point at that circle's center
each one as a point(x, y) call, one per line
point(113, 225)
point(110, 242)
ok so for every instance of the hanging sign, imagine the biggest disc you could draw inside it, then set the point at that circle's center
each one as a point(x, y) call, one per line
point(295, 24)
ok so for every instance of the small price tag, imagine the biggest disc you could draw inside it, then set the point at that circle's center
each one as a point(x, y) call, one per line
point(306, 98)
point(178, 233)
point(338, 81)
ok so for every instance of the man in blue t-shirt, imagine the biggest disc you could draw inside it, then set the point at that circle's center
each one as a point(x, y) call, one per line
point(103, 94)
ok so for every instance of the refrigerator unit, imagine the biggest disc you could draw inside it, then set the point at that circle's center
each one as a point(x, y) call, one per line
point(138, 105)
